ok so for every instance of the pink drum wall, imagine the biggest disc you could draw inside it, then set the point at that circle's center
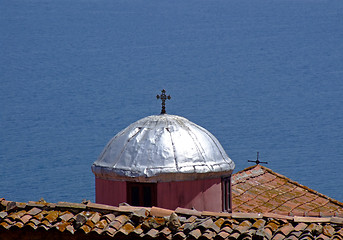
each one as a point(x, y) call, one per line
point(110, 192)
point(200, 194)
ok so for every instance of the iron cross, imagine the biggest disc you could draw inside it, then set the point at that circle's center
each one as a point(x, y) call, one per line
point(163, 97)
point(257, 161)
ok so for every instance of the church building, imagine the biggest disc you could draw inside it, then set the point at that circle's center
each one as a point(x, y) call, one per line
point(165, 161)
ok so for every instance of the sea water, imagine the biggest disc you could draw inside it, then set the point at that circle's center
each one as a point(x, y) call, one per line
point(261, 75)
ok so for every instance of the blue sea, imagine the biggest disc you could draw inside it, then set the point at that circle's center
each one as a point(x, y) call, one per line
point(261, 75)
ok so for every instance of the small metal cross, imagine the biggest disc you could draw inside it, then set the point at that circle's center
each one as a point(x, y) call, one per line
point(257, 161)
point(163, 97)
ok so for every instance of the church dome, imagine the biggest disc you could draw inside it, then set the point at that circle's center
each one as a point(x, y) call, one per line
point(163, 148)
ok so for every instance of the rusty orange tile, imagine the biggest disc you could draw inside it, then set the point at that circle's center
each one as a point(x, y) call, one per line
point(39, 216)
point(9, 221)
point(138, 230)
point(328, 230)
point(61, 226)
point(127, 228)
point(244, 226)
point(16, 215)
point(32, 225)
point(85, 228)
point(5, 225)
point(52, 216)
point(272, 225)
point(259, 224)
point(101, 224)
point(19, 224)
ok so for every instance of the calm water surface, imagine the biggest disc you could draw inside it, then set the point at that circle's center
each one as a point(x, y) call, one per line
point(261, 75)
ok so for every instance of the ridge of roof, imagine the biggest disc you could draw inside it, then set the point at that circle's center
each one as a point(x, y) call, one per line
point(254, 183)
point(93, 219)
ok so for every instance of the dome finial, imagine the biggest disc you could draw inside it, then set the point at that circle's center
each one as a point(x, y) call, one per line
point(163, 97)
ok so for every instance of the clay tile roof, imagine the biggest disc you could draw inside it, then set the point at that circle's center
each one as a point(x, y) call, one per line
point(258, 189)
point(95, 221)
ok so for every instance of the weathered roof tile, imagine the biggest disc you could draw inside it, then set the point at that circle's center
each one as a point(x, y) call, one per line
point(66, 216)
point(52, 216)
point(223, 235)
point(34, 211)
point(26, 218)
point(3, 214)
point(153, 233)
point(160, 212)
point(328, 230)
point(186, 211)
point(272, 192)
point(138, 224)
point(127, 228)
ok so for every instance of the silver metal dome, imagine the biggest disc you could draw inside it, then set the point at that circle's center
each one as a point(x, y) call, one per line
point(163, 148)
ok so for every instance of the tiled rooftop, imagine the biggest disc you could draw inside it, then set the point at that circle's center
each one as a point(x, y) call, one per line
point(259, 189)
point(41, 220)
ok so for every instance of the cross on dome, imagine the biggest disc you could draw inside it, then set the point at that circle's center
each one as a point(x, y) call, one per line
point(163, 97)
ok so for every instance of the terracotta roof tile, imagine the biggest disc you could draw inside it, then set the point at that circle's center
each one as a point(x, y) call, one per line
point(259, 189)
point(179, 235)
point(25, 218)
point(223, 234)
point(328, 230)
point(138, 230)
point(156, 223)
point(208, 234)
point(66, 216)
point(127, 228)
point(186, 211)
point(259, 224)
